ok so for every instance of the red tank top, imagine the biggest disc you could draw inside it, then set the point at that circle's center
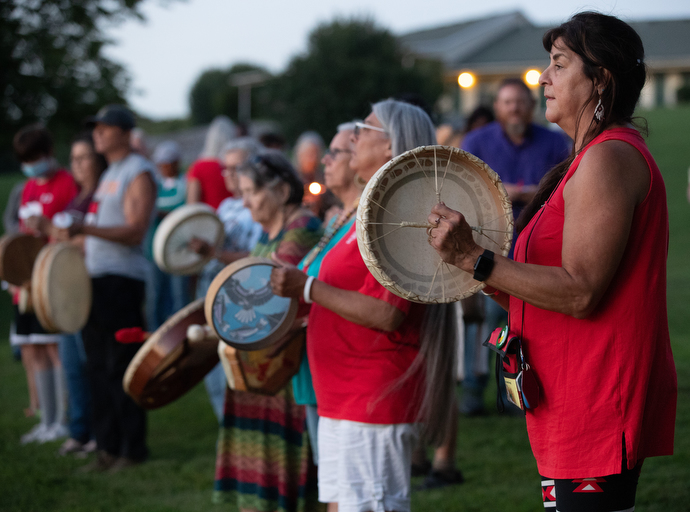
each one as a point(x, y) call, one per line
point(609, 380)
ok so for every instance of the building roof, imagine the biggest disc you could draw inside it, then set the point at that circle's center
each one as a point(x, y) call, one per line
point(459, 41)
point(509, 43)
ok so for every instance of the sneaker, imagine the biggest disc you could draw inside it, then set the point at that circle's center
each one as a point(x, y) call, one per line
point(53, 433)
point(70, 446)
point(103, 462)
point(421, 469)
point(35, 434)
point(90, 447)
point(437, 479)
point(123, 463)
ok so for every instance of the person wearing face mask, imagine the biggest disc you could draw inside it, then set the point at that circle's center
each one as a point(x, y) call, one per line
point(48, 191)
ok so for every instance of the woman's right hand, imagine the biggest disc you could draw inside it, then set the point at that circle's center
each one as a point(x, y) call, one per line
point(200, 247)
point(451, 237)
point(287, 280)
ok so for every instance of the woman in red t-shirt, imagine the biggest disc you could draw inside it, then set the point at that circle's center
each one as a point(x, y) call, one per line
point(361, 341)
point(587, 290)
point(47, 192)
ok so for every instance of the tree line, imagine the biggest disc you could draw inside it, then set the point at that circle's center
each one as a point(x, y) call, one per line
point(54, 71)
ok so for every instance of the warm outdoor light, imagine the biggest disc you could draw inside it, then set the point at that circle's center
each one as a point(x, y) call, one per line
point(315, 188)
point(532, 77)
point(466, 80)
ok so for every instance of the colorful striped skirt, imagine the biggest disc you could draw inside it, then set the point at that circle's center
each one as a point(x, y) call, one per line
point(264, 459)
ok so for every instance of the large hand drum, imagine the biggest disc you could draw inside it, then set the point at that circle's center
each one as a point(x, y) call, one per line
point(61, 288)
point(171, 250)
point(241, 308)
point(18, 253)
point(169, 364)
point(392, 220)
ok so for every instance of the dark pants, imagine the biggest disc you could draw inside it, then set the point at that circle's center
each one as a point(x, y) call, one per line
point(119, 423)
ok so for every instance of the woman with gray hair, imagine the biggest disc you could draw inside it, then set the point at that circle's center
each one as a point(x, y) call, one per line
point(241, 235)
point(263, 446)
point(367, 347)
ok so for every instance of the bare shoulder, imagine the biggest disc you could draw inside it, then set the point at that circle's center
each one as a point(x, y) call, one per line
point(142, 183)
point(613, 168)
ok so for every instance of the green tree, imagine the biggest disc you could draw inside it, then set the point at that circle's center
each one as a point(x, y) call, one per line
point(52, 67)
point(349, 65)
point(212, 95)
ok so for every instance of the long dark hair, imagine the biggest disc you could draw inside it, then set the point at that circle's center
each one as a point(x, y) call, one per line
point(613, 56)
point(101, 162)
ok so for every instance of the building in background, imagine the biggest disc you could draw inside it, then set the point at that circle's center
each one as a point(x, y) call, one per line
point(478, 54)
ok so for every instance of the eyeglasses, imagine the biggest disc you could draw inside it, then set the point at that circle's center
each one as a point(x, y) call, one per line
point(359, 126)
point(333, 153)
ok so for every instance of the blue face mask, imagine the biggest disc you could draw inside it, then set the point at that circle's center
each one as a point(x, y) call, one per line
point(37, 169)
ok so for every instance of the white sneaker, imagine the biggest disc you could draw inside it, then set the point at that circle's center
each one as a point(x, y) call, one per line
point(70, 446)
point(86, 449)
point(33, 435)
point(53, 433)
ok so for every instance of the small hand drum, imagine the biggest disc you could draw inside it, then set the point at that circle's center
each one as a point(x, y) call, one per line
point(61, 288)
point(392, 220)
point(18, 253)
point(258, 372)
point(171, 250)
point(241, 308)
point(169, 364)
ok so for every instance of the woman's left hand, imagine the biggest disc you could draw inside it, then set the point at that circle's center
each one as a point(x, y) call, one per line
point(287, 280)
point(451, 237)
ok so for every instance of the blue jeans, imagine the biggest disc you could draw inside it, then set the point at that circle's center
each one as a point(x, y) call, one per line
point(166, 294)
point(73, 357)
point(216, 383)
point(476, 379)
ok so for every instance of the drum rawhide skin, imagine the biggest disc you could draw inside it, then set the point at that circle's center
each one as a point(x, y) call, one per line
point(250, 320)
point(168, 364)
point(18, 253)
point(171, 250)
point(392, 221)
point(61, 288)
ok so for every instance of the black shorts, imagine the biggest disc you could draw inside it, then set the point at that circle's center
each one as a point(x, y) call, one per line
point(29, 330)
point(613, 493)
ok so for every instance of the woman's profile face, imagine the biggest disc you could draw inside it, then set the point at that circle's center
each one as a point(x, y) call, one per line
point(566, 88)
point(263, 203)
point(372, 149)
point(232, 160)
point(82, 162)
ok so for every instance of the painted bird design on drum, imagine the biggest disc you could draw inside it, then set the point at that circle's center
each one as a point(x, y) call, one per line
point(247, 298)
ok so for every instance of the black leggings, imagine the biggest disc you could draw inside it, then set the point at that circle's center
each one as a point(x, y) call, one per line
point(613, 493)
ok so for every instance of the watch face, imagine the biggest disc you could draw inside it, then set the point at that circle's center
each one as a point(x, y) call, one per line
point(484, 266)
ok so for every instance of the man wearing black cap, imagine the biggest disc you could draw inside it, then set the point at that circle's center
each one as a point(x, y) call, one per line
point(115, 227)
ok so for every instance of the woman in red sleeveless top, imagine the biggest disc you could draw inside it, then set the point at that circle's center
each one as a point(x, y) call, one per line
point(587, 290)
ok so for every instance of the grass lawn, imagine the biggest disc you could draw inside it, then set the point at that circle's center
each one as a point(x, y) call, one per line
point(493, 450)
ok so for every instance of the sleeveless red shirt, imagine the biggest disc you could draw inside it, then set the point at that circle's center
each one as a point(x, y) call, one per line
point(608, 380)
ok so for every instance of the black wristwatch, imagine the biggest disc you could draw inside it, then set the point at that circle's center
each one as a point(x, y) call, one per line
point(483, 266)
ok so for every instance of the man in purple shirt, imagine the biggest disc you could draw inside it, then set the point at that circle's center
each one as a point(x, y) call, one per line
point(521, 152)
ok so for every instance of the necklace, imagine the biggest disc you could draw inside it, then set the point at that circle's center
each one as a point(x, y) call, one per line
point(342, 219)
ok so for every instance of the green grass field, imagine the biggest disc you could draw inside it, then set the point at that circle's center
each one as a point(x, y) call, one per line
point(493, 450)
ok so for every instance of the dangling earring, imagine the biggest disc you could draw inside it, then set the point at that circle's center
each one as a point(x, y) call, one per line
point(360, 182)
point(599, 110)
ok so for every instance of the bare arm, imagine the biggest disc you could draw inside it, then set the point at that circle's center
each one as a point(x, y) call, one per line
point(600, 201)
point(138, 203)
point(288, 281)
point(193, 191)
